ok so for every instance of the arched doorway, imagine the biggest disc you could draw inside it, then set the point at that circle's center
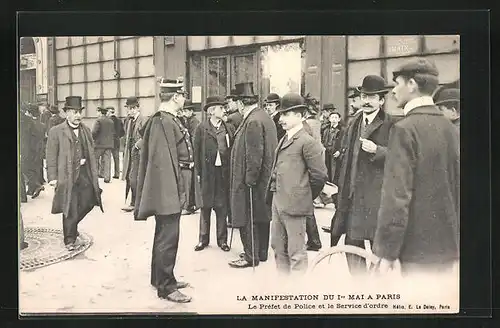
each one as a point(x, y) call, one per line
point(27, 67)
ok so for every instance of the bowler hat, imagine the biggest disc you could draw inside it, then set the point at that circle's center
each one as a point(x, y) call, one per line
point(213, 101)
point(353, 93)
point(53, 109)
point(272, 98)
point(232, 95)
point(132, 102)
point(188, 104)
point(416, 66)
point(292, 101)
point(448, 96)
point(73, 102)
point(329, 107)
point(172, 85)
point(245, 90)
point(373, 84)
point(103, 110)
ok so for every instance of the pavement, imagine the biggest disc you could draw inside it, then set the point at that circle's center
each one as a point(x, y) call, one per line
point(113, 275)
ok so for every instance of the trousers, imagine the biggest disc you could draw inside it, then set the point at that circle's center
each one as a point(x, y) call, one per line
point(115, 152)
point(103, 156)
point(132, 174)
point(220, 215)
point(165, 245)
point(261, 241)
point(313, 238)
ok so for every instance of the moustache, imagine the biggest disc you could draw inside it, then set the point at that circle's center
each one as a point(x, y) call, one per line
point(367, 106)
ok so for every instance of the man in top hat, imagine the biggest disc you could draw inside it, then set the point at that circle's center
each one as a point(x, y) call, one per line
point(35, 154)
point(119, 132)
point(103, 133)
point(252, 156)
point(212, 149)
point(418, 221)
point(72, 170)
point(271, 105)
point(354, 99)
point(131, 153)
point(298, 176)
point(361, 170)
point(160, 188)
point(448, 101)
point(234, 116)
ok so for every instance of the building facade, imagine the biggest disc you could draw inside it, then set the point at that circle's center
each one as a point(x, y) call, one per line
point(105, 70)
point(34, 69)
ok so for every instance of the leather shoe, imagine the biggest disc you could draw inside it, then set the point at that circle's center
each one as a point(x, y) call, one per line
point(225, 247)
point(182, 284)
point(200, 247)
point(177, 297)
point(37, 192)
point(326, 229)
point(240, 264)
point(314, 248)
point(116, 177)
point(128, 208)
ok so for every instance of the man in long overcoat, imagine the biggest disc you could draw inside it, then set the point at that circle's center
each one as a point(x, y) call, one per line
point(36, 152)
point(119, 133)
point(103, 133)
point(212, 149)
point(418, 220)
point(361, 171)
point(72, 170)
point(251, 164)
point(160, 189)
point(131, 155)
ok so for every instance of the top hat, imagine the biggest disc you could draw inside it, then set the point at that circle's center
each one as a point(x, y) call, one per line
point(329, 107)
point(103, 110)
point(416, 66)
point(213, 101)
point(292, 101)
point(188, 104)
point(73, 102)
point(448, 96)
point(272, 98)
point(373, 84)
point(232, 95)
point(53, 109)
point(245, 90)
point(132, 102)
point(172, 86)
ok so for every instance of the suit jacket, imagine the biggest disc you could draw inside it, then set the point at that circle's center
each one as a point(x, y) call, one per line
point(298, 175)
point(418, 220)
point(360, 178)
point(251, 164)
point(103, 132)
point(133, 140)
point(119, 131)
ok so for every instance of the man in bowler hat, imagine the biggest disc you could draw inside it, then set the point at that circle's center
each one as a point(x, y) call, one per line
point(103, 133)
point(418, 221)
point(119, 132)
point(298, 176)
point(252, 156)
point(271, 105)
point(160, 187)
point(233, 109)
point(361, 171)
point(448, 101)
point(72, 170)
point(212, 149)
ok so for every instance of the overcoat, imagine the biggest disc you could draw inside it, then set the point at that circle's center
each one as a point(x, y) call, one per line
point(60, 165)
point(103, 133)
point(205, 154)
point(119, 131)
point(37, 145)
point(160, 188)
point(235, 119)
point(356, 213)
point(418, 220)
point(136, 137)
point(252, 157)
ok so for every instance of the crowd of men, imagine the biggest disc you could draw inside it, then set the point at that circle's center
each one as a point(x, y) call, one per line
point(263, 170)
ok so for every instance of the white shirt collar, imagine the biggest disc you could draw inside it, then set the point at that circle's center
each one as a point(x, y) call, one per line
point(250, 109)
point(370, 116)
point(293, 131)
point(216, 125)
point(418, 102)
point(136, 116)
point(72, 125)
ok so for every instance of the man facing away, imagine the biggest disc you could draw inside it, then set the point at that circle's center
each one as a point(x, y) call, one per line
point(251, 163)
point(119, 132)
point(72, 170)
point(298, 176)
point(131, 154)
point(418, 221)
point(36, 152)
point(160, 189)
point(103, 133)
point(212, 149)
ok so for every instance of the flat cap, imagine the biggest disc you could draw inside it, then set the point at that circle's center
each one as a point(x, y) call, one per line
point(416, 66)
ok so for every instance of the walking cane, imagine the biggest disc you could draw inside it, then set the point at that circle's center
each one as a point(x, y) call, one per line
point(231, 237)
point(251, 229)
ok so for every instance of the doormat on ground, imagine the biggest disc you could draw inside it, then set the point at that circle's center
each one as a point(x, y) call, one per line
point(46, 247)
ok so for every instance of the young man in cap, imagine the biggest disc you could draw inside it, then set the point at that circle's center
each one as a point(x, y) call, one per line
point(233, 109)
point(418, 221)
point(448, 101)
point(298, 176)
point(119, 132)
point(131, 154)
point(251, 161)
point(160, 188)
point(103, 133)
point(361, 171)
point(271, 105)
point(72, 170)
point(212, 149)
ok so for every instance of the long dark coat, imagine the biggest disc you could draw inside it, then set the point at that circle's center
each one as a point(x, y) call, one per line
point(119, 131)
point(420, 205)
point(136, 139)
point(26, 125)
point(191, 123)
point(358, 216)
point(60, 165)
point(205, 154)
point(160, 188)
point(103, 133)
point(252, 158)
point(36, 145)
